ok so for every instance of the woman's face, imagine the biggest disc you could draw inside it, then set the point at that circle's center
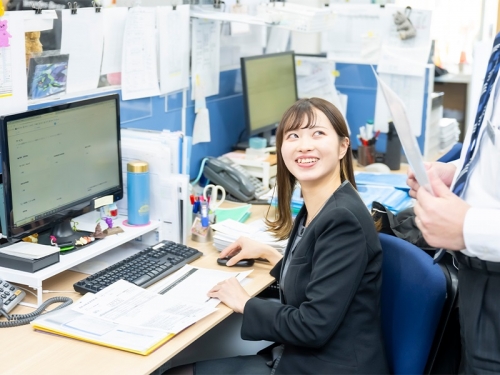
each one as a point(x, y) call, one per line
point(313, 154)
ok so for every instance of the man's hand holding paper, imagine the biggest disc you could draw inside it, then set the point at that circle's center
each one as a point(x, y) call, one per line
point(441, 217)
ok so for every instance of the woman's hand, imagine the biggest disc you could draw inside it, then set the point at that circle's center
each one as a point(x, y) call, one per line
point(231, 293)
point(445, 172)
point(246, 248)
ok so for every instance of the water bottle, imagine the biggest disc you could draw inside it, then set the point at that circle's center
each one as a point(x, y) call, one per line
point(393, 151)
point(138, 192)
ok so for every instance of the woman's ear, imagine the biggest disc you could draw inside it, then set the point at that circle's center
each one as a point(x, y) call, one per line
point(343, 147)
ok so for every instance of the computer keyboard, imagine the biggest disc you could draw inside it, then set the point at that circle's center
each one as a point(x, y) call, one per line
point(143, 269)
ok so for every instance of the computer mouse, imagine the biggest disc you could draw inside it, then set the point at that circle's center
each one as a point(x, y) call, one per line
point(241, 263)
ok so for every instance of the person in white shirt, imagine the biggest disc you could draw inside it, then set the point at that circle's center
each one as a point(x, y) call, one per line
point(469, 226)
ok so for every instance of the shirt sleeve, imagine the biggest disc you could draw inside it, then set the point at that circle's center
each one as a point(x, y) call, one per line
point(482, 233)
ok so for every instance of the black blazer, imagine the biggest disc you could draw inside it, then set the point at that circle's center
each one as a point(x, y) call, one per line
point(330, 323)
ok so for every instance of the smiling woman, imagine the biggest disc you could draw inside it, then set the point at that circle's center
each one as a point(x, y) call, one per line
point(328, 320)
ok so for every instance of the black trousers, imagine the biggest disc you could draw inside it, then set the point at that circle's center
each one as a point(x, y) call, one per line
point(479, 306)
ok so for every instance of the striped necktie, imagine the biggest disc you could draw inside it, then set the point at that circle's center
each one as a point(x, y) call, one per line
point(489, 80)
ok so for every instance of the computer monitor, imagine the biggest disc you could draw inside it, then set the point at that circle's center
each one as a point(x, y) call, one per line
point(58, 163)
point(269, 89)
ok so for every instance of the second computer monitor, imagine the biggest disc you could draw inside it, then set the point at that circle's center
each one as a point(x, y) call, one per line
point(269, 89)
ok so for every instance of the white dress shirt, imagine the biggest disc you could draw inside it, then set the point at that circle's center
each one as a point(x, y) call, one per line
point(482, 191)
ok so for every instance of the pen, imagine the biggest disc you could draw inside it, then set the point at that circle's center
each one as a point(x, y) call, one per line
point(204, 214)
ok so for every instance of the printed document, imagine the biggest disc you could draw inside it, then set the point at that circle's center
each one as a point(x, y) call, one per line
point(124, 316)
point(408, 140)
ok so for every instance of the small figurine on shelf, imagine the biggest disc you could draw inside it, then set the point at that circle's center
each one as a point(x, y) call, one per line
point(53, 240)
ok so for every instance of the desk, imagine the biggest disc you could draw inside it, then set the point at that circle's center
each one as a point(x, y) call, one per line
point(28, 352)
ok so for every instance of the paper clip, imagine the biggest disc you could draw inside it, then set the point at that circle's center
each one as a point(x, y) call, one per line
point(37, 8)
point(97, 7)
point(73, 7)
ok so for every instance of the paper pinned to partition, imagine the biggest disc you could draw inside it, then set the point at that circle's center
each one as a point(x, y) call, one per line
point(408, 140)
point(13, 86)
point(206, 55)
point(139, 65)
point(173, 35)
point(39, 22)
point(405, 56)
point(201, 128)
point(82, 39)
point(114, 29)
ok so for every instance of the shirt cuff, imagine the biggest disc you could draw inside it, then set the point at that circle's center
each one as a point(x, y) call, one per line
point(482, 234)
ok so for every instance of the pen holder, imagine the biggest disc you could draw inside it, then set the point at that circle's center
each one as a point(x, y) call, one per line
point(199, 233)
point(366, 155)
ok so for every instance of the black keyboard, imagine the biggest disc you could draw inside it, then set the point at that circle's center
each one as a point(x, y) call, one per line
point(143, 269)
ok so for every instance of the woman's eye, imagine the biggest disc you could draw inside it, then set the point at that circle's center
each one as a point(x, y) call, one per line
point(292, 135)
point(319, 132)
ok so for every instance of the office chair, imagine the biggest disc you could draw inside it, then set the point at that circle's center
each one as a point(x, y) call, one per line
point(453, 154)
point(413, 295)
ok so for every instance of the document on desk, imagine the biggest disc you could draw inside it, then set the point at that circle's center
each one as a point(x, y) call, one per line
point(408, 140)
point(124, 316)
point(191, 284)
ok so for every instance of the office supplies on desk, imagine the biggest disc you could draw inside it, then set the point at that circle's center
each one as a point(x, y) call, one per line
point(260, 188)
point(239, 213)
point(395, 180)
point(10, 295)
point(138, 187)
point(234, 182)
point(143, 269)
point(228, 231)
point(124, 316)
point(28, 259)
point(211, 195)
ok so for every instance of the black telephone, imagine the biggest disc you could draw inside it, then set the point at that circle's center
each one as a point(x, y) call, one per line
point(235, 182)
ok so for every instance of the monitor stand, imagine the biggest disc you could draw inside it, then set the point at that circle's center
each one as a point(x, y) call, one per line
point(64, 234)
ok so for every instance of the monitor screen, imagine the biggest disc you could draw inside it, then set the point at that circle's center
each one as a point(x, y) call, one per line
point(269, 89)
point(58, 161)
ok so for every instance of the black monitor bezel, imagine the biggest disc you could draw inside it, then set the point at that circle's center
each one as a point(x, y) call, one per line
point(246, 103)
point(72, 210)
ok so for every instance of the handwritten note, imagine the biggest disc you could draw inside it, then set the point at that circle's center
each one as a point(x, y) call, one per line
point(139, 68)
point(173, 32)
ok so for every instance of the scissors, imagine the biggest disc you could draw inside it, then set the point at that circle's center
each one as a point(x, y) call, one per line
point(213, 192)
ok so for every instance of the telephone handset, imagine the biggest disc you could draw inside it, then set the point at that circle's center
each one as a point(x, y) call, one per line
point(236, 183)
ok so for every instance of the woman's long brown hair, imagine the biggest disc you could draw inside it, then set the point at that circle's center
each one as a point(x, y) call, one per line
point(294, 118)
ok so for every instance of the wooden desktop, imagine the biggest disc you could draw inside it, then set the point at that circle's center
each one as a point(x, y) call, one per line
point(26, 351)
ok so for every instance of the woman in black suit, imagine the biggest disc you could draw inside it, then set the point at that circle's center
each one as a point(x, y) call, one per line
point(328, 321)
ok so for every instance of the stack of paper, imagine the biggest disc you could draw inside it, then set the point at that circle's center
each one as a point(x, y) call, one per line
point(29, 250)
point(448, 133)
point(228, 231)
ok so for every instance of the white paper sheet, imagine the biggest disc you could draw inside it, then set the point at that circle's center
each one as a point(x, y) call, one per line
point(13, 87)
point(411, 90)
point(139, 64)
point(82, 38)
point(356, 35)
point(114, 29)
point(406, 136)
point(409, 56)
point(205, 56)
point(39, 22)
point(192, 284)
point(173, 33)
point(201, 128)
point(278, 40)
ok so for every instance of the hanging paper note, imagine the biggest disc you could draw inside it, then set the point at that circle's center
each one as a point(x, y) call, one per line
point(2, 9)
point(4, 34)
point(201, 130)
point(199, 95)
